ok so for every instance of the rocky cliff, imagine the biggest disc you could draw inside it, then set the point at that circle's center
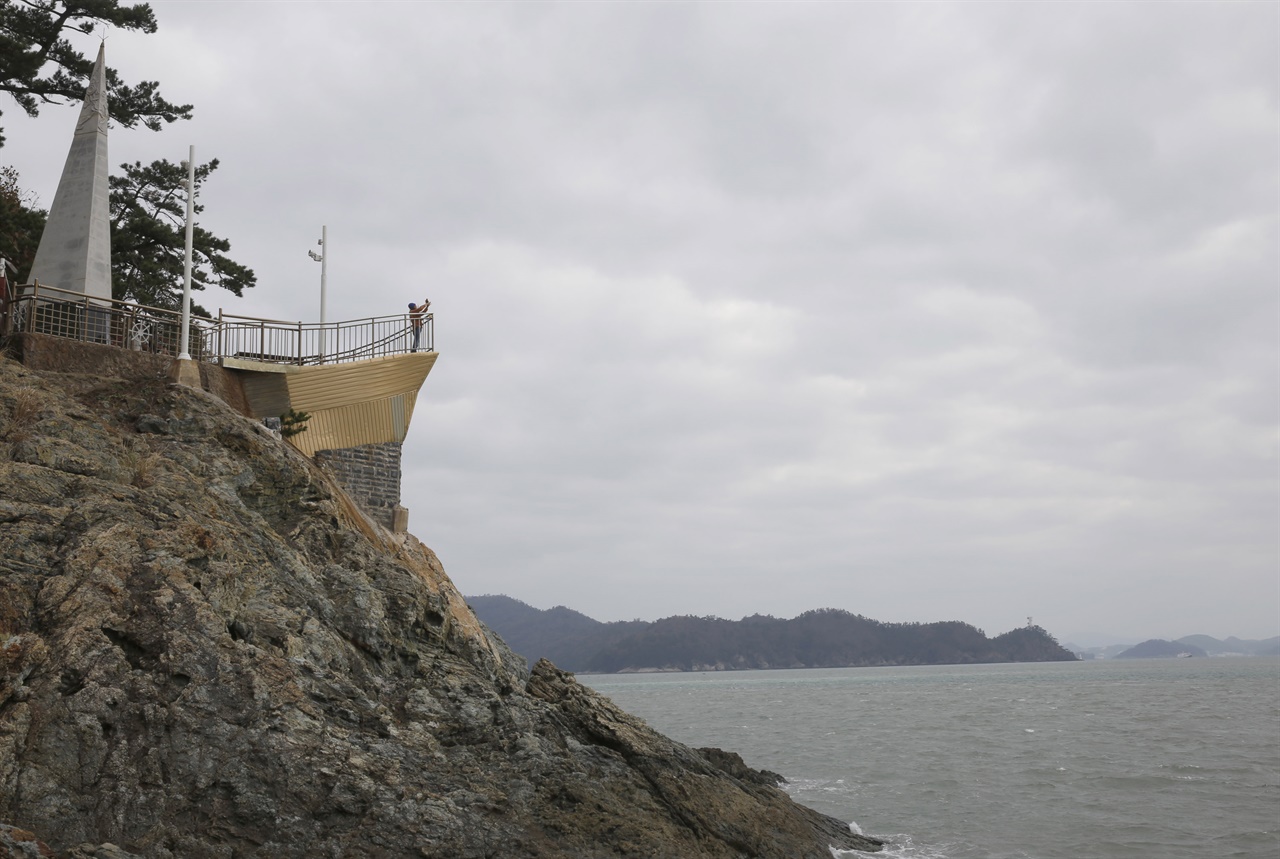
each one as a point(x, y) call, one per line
point(207, 651)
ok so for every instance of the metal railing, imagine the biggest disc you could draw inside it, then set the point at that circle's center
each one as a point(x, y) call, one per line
point(39, 309)
point(47, 310)
point(280, 342)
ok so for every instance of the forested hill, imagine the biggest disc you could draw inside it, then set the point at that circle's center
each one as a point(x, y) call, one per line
point(823, 638)
point(559, 634)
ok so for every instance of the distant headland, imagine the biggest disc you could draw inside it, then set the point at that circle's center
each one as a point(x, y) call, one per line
point(822, 638)
point(1187, 645)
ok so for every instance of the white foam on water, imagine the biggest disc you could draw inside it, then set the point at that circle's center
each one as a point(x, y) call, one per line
point(815, 785)
point(895, 847)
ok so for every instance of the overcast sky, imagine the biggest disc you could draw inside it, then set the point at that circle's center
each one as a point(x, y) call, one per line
point(925, 311)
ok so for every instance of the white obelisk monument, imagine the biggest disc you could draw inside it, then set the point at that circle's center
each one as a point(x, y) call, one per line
point(75, 248)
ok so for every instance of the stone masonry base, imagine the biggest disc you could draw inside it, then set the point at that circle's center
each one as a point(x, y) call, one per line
point(371, 476)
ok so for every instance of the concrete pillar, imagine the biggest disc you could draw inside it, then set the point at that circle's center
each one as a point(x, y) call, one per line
point(185, 371)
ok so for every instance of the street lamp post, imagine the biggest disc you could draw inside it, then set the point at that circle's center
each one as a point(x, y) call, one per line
point(184, 336)
point(323, 259)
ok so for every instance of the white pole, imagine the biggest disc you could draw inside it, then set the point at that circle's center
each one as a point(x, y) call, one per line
point(324, 266)
point(186, 261)
point(324, 270)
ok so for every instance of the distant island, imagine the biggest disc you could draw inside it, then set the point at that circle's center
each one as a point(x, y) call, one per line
point(1192, 645)
point(821, 638)
point(1158, 648)
point(1232, 646)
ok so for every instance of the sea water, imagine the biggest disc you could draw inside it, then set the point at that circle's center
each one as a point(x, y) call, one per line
point(1079, 760)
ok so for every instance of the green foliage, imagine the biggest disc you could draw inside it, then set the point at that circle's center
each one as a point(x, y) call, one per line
point(148, 235)
point(293, 422)
point(148, 238)
point(39, 66)
point(20, 222)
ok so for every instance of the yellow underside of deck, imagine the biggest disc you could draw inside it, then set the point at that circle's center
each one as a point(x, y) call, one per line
point(360, 402)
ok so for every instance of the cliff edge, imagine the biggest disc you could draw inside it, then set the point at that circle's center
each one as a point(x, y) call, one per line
point(207, 651)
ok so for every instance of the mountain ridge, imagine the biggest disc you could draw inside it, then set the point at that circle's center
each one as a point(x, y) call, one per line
point(1230, 646)
point(819, 638)
point(1159, 648)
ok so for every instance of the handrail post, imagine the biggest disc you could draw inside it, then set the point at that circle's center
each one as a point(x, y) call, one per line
point(220, 355)
point(262, 339)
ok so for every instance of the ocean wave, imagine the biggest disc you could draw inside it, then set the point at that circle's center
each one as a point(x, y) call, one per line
point(901, 846)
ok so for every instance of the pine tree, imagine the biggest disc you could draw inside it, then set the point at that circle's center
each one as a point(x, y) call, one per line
point(293, 422)
point(148, 238)
point(148, 235)
point(20, 222)
point(39, 66)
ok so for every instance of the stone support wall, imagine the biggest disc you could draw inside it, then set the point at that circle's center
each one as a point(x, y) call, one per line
point(370, 474)
point(43, 352)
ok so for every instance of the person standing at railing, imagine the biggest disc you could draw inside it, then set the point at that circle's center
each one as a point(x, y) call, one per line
point(417, 315)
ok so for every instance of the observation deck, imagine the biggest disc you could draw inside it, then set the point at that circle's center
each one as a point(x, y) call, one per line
point(358, 379)
point(39, 309)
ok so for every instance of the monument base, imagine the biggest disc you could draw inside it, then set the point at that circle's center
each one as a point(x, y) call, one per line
point(399, 519)
point(184, 371)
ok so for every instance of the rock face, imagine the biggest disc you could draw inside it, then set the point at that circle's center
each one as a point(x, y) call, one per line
point(18, 843)
point(207, 651)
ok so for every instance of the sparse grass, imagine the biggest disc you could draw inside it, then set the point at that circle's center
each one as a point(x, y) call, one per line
point(23, 414)
point(139, 467)
point(142, 477)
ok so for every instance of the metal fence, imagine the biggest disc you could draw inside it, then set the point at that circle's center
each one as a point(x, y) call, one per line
point(281, 342)
point(39, 309)
point(60, 313)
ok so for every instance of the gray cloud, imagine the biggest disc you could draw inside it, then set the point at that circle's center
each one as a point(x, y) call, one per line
point(924, 311)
